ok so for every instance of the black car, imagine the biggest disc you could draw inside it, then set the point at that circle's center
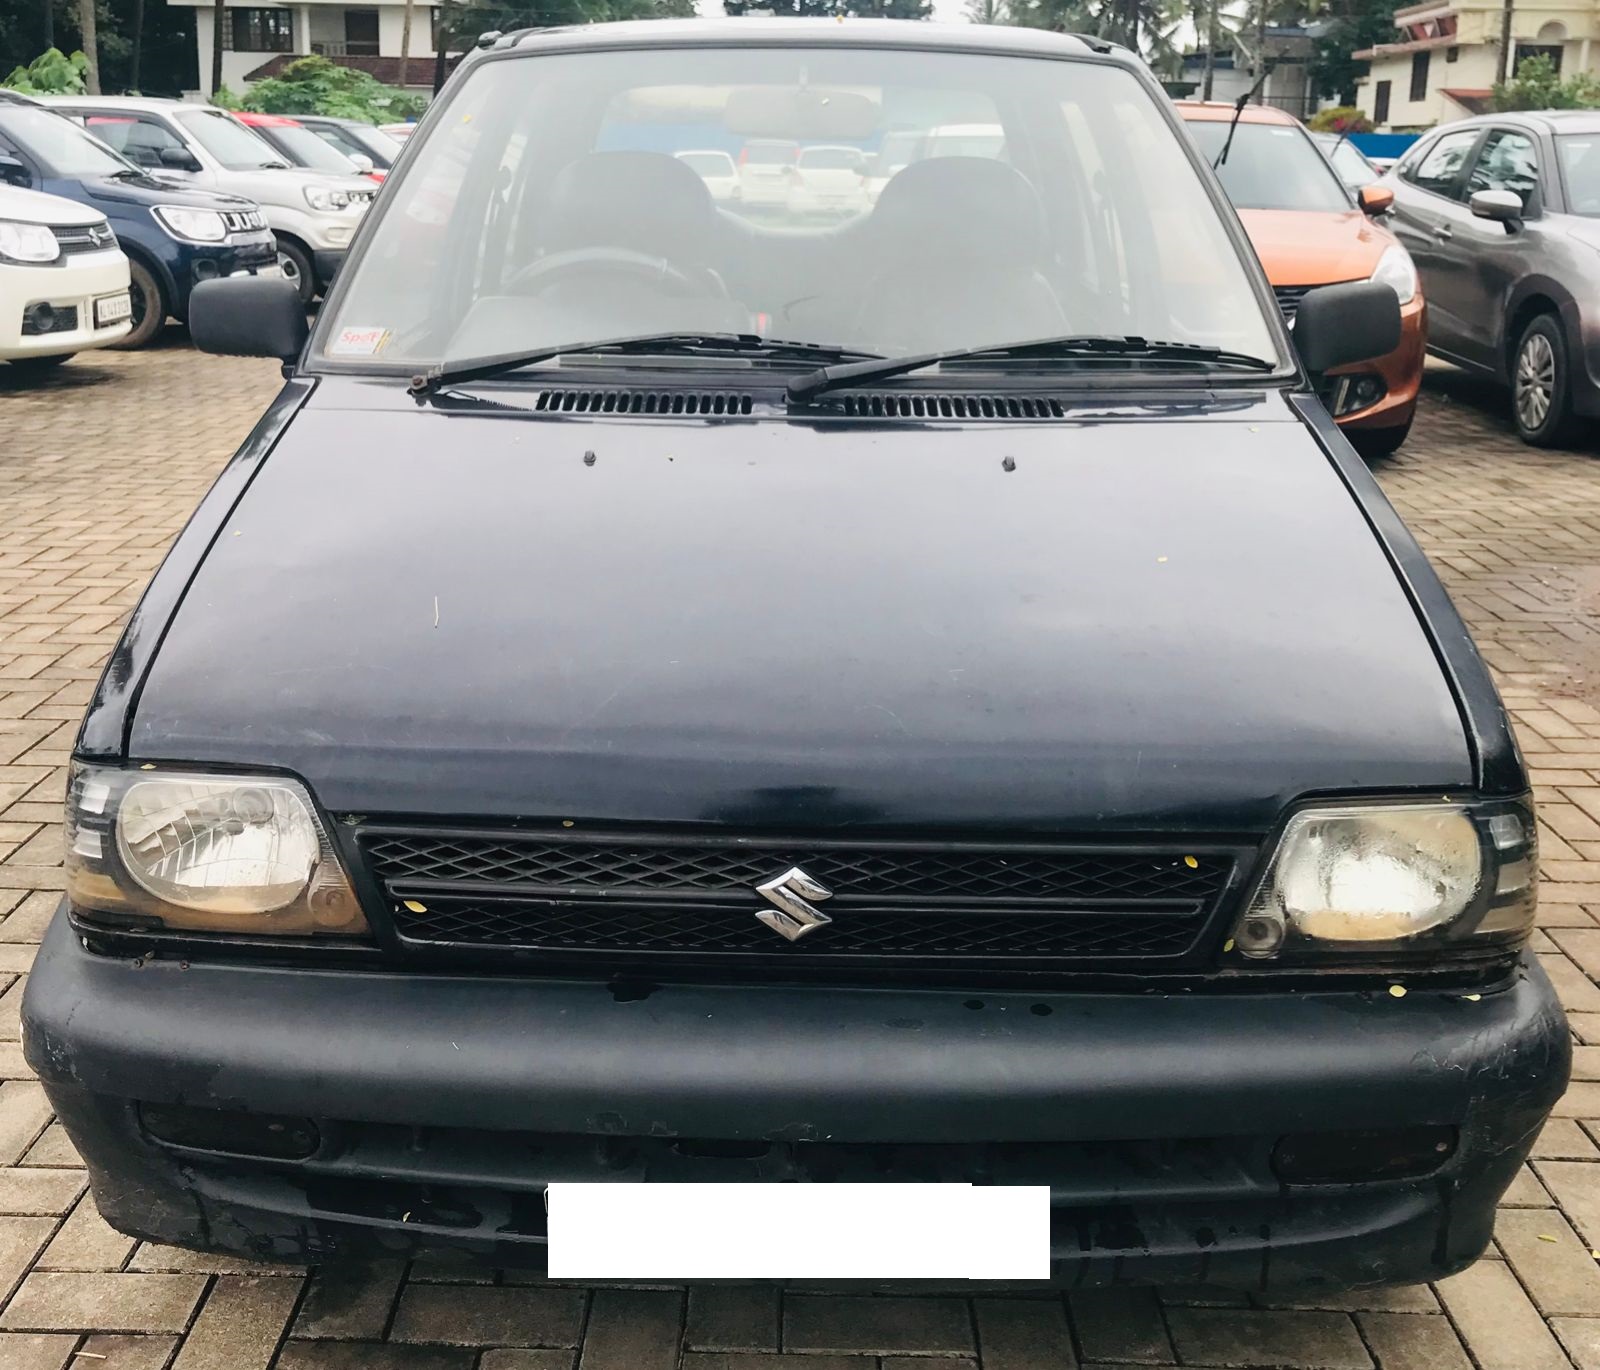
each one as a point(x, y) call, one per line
point(174, 236)
point(924, 693)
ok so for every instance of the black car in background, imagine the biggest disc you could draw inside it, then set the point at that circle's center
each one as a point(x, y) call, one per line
point(174, 237)
point(667, 694)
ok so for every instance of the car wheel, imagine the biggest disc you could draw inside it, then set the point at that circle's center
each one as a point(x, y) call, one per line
point(1374, 443)
point(149, 308)
point(296, 268)
point(1541, 391)
point(41, 365)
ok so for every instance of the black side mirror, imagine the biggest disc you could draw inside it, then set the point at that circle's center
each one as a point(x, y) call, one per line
point(178, 159)
point(1340, 324)
point(1498, 206)
point(248, 316)
point(12, 172)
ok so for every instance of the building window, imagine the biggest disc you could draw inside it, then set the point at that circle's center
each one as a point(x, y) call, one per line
point(1451, 54)
point(1419, 75)
point(1380, 103)
point(361, 33)
point(260, 30)
point(1550, 50)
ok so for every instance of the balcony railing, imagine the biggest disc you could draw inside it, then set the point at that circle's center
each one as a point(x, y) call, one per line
point(345, 48)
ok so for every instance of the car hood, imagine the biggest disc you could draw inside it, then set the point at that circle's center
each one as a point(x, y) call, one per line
point(37, 207)
point(151, 190)
point(1154, 618)
point(1306, 247)
point(286, 185)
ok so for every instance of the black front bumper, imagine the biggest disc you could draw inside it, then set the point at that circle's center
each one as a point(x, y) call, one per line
point(441, 1105)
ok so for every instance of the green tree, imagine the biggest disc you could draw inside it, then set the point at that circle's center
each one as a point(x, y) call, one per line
point(50, 73)
point(314, 85)
point(1350, 26)
point(1537, 85)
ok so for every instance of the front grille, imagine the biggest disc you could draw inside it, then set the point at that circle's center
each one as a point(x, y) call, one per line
point(1289, 297)
point(40, 319)
point(85, 238)
point(660, 403)
point(688, 898)
point(932, 405)
point(244, 221)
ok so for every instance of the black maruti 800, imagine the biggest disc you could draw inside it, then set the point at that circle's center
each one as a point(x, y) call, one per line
point(878, 667)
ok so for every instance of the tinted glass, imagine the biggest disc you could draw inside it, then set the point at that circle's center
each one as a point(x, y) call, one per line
point(1579, 155)
point(304, 148)
point(58, 145)
point(1507, 162)
point(1270, 166)
point(1439, 168)
point(546, 208)
point(229, 141)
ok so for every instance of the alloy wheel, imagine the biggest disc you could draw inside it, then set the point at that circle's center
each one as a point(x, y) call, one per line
point(290, 269)
point(1535, 381)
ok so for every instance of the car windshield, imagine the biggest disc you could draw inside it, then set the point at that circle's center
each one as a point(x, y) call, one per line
point(58, 145)
point(1270, 166)
point(229, 141)
point(707, 163)
point(373, 141)
point(547, 207)
point(302, 147)
point(1354, 169)
point(1580, 171)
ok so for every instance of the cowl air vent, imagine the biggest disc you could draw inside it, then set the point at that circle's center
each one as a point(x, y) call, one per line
point(662, 403)
point(937, 405)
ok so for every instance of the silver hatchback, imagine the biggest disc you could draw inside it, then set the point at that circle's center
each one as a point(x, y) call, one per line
point(1502, 217)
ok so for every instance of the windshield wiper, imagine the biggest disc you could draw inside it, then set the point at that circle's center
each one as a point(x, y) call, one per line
point(826, 378)
point(692, 344)
point(1238, 109)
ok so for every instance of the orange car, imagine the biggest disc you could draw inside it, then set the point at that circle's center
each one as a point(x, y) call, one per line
point(1309, 230)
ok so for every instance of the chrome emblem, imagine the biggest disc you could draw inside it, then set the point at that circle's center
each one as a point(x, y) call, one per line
point(794, 895)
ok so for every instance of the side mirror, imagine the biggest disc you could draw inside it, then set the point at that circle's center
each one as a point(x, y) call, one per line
point(1375, 200)
point(248, 316)
point(178, 159)
point(1340, 324)
point(362, 162)
point(12, 172)
point(1499, 206)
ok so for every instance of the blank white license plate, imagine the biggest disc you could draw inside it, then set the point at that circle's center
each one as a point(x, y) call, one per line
point(110, 309)
point(798, 1231)
point(273, 270)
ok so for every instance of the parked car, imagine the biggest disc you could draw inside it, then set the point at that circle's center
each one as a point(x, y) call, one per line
point(355, 139)
point(716, 169)
point(63, 280)
point(697, 699)
point(172, 234)
point(400, 131)
point(312, 215)
point(829, 180)
point(1351, 164)
point(1310, 230)
point(765, 168)
point(300, 147)
point(1502, 217)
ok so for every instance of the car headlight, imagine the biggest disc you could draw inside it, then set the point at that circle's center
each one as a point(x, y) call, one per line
point(212, 853)
point(1363, 880)
point(1395, 270)
point(321, 198)
point(192, 225)
point(27, 242)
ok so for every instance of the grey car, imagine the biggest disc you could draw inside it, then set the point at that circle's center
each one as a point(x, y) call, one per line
point(1502, 217)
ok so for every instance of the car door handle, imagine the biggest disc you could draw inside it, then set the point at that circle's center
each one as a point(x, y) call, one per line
point(1443, 231)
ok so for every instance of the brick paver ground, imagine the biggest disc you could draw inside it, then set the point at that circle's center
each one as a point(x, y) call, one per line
point(97, 471)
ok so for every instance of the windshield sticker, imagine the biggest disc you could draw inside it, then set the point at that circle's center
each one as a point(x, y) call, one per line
point(359, 342)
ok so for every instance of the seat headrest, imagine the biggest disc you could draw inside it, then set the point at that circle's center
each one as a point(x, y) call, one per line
point(952, 207)
point(642, 201)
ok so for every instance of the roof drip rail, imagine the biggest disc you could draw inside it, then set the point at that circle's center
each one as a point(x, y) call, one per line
point(1094, 42)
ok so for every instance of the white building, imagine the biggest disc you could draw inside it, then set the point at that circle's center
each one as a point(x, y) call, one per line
point(260, 37)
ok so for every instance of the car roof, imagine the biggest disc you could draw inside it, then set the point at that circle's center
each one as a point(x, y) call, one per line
point(1220, 111)
point(147, 104)
point(831, 32)
point(1550, 120)
point(245, 116)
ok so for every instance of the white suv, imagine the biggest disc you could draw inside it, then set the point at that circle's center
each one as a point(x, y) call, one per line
point(63, 280)
point(313, 214)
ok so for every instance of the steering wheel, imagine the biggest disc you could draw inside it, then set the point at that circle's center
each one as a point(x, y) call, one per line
point(614, 262)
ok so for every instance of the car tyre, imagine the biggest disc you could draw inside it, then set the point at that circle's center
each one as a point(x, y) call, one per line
point(1541, 389)
point(1372, 444)
point(149, 308)
point(297, 270)
point(41, 365)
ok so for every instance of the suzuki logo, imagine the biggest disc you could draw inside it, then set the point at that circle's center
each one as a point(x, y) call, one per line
point(793, 894)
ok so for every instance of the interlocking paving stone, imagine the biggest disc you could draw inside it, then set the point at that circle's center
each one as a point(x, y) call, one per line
point(525, 1358)
point(1023, 1334)
point(1207, 1336)
point(1503, 1329)
point(1554, 1266)
point(734, 1319)
point(35, 1350)
point(351, 1303)
point(241, 1323)
point(632, 1329)
point(126, 1353)
point(366, 1355)
point(51, 1301)
point(469, 1315)
point(86, 1242)
point(1413, 1341)
point(1121, 1325)
point(1581, 1337)
point(877, 1325)
point(747, 1360)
